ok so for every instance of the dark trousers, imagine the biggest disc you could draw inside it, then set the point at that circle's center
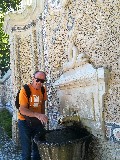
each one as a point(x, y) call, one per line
point(27, 134)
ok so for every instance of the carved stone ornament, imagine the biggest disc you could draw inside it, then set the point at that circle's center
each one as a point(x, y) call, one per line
point(65, 3)
point(54, 3)
point(24, 18)
point(58, 3)
point(74, 58)
point(82, 87)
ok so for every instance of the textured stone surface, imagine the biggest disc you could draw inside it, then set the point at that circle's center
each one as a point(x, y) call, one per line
point(42, 38)
point(8, 149)
point(6, 91)
point(103, 150)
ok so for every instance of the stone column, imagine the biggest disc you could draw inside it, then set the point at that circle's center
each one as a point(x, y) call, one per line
point(21, 28)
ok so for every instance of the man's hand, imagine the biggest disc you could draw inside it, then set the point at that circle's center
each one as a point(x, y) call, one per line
point(25, 111)
point(42, 117)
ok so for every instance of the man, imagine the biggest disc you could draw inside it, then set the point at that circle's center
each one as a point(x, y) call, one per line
point(36, 109)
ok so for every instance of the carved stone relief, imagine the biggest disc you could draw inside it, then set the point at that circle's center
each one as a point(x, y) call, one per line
point(65, 3)
point(54, 3)
point(81, 101)
point(96, 27)
point(74, 58)
point(59, 3)
point(82, 87)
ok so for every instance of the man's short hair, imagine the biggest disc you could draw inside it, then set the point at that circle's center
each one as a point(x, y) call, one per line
point(39, 72)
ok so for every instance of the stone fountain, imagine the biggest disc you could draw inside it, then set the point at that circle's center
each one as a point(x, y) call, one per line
point(81, 89)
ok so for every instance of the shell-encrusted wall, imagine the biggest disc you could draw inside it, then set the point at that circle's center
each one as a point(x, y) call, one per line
point(81, 89)
point(93, 26)
point(6, 91)
point(24, 57)
point(24, 28)
point(5, 87)
point(47, 37)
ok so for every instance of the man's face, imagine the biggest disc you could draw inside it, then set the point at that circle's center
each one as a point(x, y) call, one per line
point(38, 80)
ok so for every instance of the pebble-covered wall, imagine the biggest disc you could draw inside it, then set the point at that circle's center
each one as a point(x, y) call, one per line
point(93, 26)
point(6, 92)
point(40, 39)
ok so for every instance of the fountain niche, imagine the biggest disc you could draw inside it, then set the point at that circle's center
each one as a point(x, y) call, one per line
point(81, 89)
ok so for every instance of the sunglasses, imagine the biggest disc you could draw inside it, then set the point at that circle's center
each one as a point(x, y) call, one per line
point(40, 80)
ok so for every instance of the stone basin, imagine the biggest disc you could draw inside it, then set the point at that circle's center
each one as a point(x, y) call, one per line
point(70, 143)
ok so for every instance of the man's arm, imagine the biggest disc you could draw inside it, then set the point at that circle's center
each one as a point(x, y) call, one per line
point(25, 111)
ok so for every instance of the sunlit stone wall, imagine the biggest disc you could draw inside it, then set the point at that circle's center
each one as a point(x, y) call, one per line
point(41, 37)
point(26, 48)
point(93, 27)
point(6, 92)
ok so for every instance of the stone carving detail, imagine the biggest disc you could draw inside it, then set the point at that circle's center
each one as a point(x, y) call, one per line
point(79, 101)
point(74, 58)
point(26, 27)
point(26, 2)
point(59, 3)
point(65, 3)
point(82, 87)
point(54, 3)
point(113, 132)
point(116, 133)
point(96, 28)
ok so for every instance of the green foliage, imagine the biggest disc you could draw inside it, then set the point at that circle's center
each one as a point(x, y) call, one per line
point(4, 50)
point(6, 122)
point(5, 5)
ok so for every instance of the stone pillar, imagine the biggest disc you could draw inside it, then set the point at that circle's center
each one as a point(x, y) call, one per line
point(24, 52)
